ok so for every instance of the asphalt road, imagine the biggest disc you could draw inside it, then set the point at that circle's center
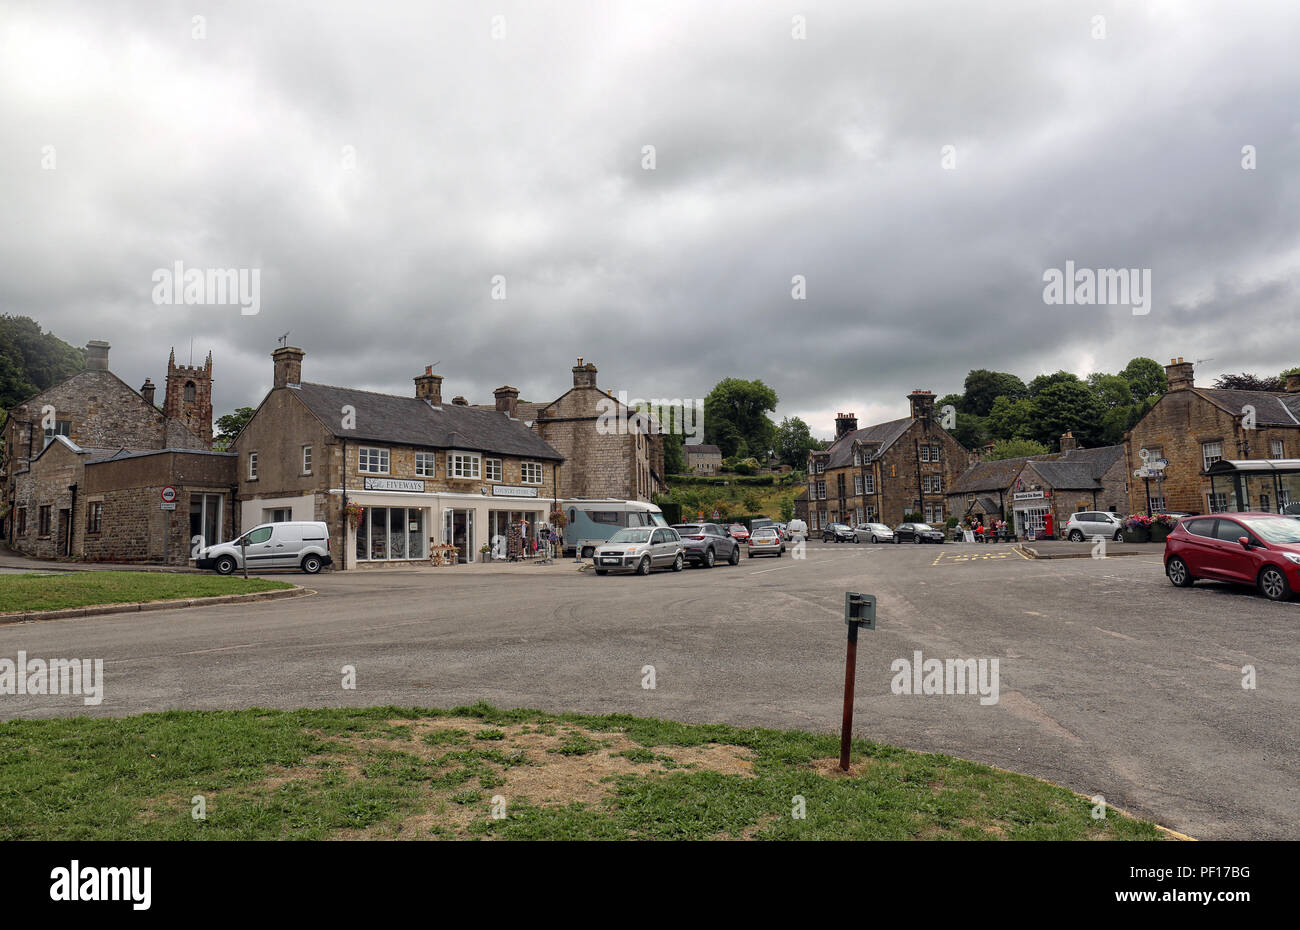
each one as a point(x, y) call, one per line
point(1112, 682)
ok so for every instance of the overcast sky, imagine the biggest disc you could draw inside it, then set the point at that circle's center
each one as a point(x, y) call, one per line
point(379, 163)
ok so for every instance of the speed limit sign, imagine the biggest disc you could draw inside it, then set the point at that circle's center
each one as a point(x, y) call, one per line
point(169, 495)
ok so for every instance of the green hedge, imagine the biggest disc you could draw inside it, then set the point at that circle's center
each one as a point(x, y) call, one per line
point(739, 481)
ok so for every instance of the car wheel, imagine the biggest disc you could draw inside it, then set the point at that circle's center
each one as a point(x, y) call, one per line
point(1076, 536)
point(643, 567)
point(225, 565)
point(678, 562)
point(709, 558)
point(1178, 573)
point(588, 552)
point(311, 564)
point(917, 540)
point(778, 554)
point(873, 540)
point(735, 556)
point(602, 571)
point(1273, 584)
point(1118, 536)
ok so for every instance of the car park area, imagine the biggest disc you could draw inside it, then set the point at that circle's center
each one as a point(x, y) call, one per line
point(1113, 681)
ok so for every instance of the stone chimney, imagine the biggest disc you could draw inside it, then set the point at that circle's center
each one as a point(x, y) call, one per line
point(146, 391)
point(97, 355)
point(1293, 382)
point(1179, 375)
point(584, 376)
point(507, 400)
point(288, 366)
point(429, 386)
point(1068, 442)
point(460, 401)
point(922, 405)
point(845, 423)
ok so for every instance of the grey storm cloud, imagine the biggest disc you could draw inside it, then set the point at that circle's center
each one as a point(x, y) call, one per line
point(381, 163)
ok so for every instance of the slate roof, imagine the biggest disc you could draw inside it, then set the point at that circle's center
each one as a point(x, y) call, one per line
point(108, 455)
point(840, 453)
point(411, 421)
point(1077, 468)
point(702, 450)
point(1271, 408)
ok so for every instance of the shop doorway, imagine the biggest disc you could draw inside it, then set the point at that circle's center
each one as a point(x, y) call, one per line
point(458, 529)
point(1030, 521)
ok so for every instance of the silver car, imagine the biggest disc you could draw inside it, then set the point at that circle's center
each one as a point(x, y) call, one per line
point(639, 549)
point(873, 533)
point(1089, 523)
point(766, 541)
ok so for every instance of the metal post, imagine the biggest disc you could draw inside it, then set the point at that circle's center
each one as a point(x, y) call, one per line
point(850, 675)
point(1147, 482)
point(167, 532)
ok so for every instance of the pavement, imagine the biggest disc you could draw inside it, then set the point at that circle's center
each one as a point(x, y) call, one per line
point(1111, 681)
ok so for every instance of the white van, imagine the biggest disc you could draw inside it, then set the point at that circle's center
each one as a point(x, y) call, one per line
point(301, 545)
point(593, 521)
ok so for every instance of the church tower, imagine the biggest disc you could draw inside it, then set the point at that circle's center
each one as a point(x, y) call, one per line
point(189, 396)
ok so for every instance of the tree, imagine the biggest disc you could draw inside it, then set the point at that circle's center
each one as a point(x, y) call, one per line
point(1066, 404)
point(983, 387)
point(794, 441)
point(32, 360)
point(787, 508)
point(228, 427)
point(674, 457)
point(1146, 378)
point(735, 417)
point(1250, 382)
point(1010, 419)
point(1014, 449)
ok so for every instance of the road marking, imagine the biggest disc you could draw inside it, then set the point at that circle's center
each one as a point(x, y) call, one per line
point(199, 652)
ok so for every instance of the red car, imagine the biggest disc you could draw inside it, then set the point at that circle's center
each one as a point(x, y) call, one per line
point(736, 531)
point(1256, 548)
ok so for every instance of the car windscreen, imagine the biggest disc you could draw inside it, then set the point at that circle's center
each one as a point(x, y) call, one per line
point(658, 518)
point(922, 526)
point(1275, 529)
point(631, 535)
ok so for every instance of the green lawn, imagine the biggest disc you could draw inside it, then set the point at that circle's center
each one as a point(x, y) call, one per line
point(83, 589)
point(433, 774)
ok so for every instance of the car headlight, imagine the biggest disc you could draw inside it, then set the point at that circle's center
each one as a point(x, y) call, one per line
point(1292, 557)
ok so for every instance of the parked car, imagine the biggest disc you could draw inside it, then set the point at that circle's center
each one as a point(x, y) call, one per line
point(1256, 548)
point(917, 533)
point(736, 531)
point(706, 544)
point(873, 533)
point(784, 530)
point(302, 545)
point(766, 541)
point(797, 527)
point(1089, 523)
point(838, 532)
point(639, 549)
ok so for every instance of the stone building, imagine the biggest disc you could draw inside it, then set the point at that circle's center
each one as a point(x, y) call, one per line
point(703, 459)
point(1193, 428)
point(1026, 489)
point(879, 473)
point(422, 472)
point(610, 451)
point(61, 502)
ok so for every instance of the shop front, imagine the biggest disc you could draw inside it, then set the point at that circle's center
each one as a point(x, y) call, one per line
point(399, 522)
point(1270, 485)
point(1032, 510)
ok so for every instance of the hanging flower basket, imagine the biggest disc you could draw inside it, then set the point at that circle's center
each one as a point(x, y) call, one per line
point(355, 512)
point(558, 519)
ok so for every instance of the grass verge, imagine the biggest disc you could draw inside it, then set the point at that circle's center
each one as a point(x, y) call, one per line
point(91, 588)
point(480, 772)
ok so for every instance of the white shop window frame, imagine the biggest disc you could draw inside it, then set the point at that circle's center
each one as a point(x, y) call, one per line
point(530, 468)
point(492, 470)
point(426, 465)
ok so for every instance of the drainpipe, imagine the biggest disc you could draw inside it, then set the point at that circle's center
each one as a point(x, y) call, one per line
point(72, 518)
point(343, 546)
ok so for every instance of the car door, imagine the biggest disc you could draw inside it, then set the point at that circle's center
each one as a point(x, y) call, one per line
point(1200, 552)
point(1238, 562)
point(723, 544)
point(260, 548)
point(658, 547)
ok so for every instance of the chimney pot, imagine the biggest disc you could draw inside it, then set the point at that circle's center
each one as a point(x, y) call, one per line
point(507, 400)
point(1179, 374)
point(584, 376)
point(147, 391)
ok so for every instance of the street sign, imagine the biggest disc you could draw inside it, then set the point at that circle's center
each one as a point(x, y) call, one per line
point(168, 494)
point(168, 505)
